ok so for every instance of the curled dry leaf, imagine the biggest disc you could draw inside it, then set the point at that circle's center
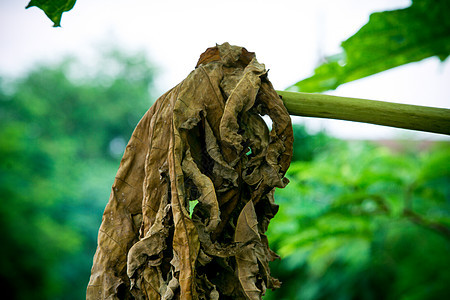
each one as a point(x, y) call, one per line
point(203, 140)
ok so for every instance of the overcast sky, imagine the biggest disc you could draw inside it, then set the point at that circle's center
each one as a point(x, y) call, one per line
point(289, 37)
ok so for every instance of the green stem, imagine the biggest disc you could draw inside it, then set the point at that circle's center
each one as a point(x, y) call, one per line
point(423, 118)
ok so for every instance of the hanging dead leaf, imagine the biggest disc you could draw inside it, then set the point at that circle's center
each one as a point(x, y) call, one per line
point(203, 140)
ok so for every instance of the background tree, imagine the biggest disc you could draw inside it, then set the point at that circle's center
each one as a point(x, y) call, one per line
point(360, 221)
point(61, 142)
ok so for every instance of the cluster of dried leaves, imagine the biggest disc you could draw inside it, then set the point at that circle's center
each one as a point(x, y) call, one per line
point(203, 140)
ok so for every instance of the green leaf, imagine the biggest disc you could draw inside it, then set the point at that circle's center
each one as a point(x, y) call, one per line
point(53, 8)
point(389, 39)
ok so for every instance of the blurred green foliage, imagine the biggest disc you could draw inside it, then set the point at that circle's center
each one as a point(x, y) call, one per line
point(360, 221)
point(62, 133)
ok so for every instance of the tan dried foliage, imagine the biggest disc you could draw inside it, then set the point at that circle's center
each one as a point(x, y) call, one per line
point(203, 140)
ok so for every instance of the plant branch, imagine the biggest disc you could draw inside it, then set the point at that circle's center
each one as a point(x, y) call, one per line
point(419, 220)
point(422, 118)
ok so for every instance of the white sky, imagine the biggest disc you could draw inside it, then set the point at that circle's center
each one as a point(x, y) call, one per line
point(288, 36)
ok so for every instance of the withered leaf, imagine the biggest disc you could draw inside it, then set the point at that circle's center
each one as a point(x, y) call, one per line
point(203, 140)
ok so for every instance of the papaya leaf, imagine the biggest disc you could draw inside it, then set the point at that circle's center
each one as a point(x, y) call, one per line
point(191, 145)
point(390, 39)
point(53, 8)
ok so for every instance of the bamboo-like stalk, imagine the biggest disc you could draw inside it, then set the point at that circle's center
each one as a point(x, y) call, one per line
point(423, 118)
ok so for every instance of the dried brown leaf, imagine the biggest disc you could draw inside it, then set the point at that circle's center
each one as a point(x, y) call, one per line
point(203, 140)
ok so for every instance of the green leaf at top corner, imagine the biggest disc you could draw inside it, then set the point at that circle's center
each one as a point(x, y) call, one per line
point(53, 8)
point(388, 40)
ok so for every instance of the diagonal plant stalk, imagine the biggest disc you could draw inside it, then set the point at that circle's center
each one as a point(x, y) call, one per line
point(422, 118)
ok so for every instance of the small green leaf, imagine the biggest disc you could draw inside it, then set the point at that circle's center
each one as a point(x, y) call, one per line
point(53, 8)
point(192, 204)
point(390, 39)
